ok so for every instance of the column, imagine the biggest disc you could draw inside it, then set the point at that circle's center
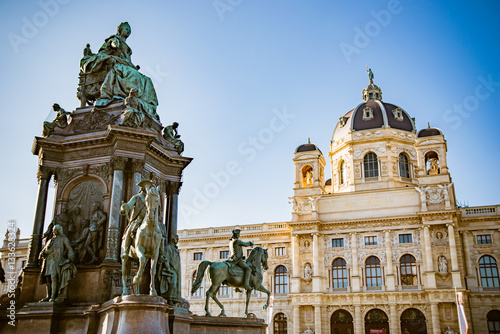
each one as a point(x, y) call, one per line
point(113, 241)
point(429, 270)
point(295, 281)
point(316, 264)
point(355, 281)
point(173, 188)
point(317, 320)
point(137, 167)
point(296, 320)
point(391, 281)
point(455, 272)
point(393, 319)
point(358, 320)
point(44, 175)
point(436, 327)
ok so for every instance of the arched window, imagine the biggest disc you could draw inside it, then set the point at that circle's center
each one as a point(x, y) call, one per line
point(280, 280)
point(373, 272)
point(280, 324)
point(375, 321)
point(493, 322)
point(201, 290)
point(342, 172)
point(371, 165)
point(339, 273)
point(413, 321)
point(489, 272)
point(408, 267)
point(404, 166)
point(341, 322)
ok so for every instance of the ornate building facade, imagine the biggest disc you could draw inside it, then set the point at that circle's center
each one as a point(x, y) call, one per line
point(379, 247)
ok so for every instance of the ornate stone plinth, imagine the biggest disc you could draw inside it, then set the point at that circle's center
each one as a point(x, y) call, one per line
point(227, 325)
point(135, 314)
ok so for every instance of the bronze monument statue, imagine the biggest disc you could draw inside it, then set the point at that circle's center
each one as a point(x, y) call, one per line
point(170, 273)
point(147, 243)
point(232, 275)
point(58, 267)
point(171, 135)
point(61, 121)
point(110, 74)
point(96, 232)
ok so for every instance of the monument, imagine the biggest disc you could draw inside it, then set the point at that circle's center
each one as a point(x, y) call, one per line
point(108, 262)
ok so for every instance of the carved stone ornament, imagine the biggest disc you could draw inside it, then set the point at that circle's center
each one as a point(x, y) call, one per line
point(102, 171)
point(304, 205)
point(118, 163)
point(44, 173)
point(95, 121)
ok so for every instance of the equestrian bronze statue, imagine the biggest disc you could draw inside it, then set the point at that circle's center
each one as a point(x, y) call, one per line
point(235, 272)
point(143, 238)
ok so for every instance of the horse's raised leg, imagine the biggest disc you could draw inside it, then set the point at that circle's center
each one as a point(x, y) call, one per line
point(262, 289)
point(152, 289)
point(125, 274)
point(249, 292)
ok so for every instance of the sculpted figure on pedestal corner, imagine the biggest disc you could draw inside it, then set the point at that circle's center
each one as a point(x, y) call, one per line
point(57, 268)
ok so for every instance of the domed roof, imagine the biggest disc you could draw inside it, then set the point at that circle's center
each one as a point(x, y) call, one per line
point(429, 132)
point(306, 147)
point(373, 113)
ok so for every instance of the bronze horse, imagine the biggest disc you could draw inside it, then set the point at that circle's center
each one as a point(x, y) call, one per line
point(219, 274)
point(147, 243)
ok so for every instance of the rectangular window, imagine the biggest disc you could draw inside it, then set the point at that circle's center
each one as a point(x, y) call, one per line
point(484, 239)
point(223, 290)
point(224, 255)
point(280, 251)
point(370, 241)
point(405, 239)
point(339, 242)
point(198, 256)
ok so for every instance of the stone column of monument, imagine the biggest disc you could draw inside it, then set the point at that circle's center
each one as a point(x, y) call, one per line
point(113, 240)
point(455, 272)
point(173, 188)
point(317, 320)
point(436, 326)
point(391, 278)
point(295, 265)
point(429, 264)
point(137, 166)
point(44, 175)
point(355, 279)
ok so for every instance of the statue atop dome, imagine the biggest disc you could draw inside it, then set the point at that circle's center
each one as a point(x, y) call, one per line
point(370, 74)
point(109, 75)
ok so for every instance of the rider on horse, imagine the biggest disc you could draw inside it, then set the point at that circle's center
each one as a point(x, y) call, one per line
point(237, 258)
point(135, 210)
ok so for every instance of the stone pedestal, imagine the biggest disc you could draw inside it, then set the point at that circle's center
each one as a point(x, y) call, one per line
point(227, 325)
point(135, 314)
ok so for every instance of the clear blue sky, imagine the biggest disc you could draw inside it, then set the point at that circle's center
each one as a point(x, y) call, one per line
point(223, 69)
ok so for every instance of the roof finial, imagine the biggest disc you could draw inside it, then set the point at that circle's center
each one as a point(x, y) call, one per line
point(370, 74)
point(308, 140)
point(428, 125)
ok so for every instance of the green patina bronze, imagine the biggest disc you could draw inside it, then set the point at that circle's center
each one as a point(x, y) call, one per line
point(109, 75)
point(230, 273)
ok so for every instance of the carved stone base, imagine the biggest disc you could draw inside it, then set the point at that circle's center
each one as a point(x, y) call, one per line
point(135, 314)
point(213, 325)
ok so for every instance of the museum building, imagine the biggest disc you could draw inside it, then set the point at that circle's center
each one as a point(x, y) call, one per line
point(377, 246)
